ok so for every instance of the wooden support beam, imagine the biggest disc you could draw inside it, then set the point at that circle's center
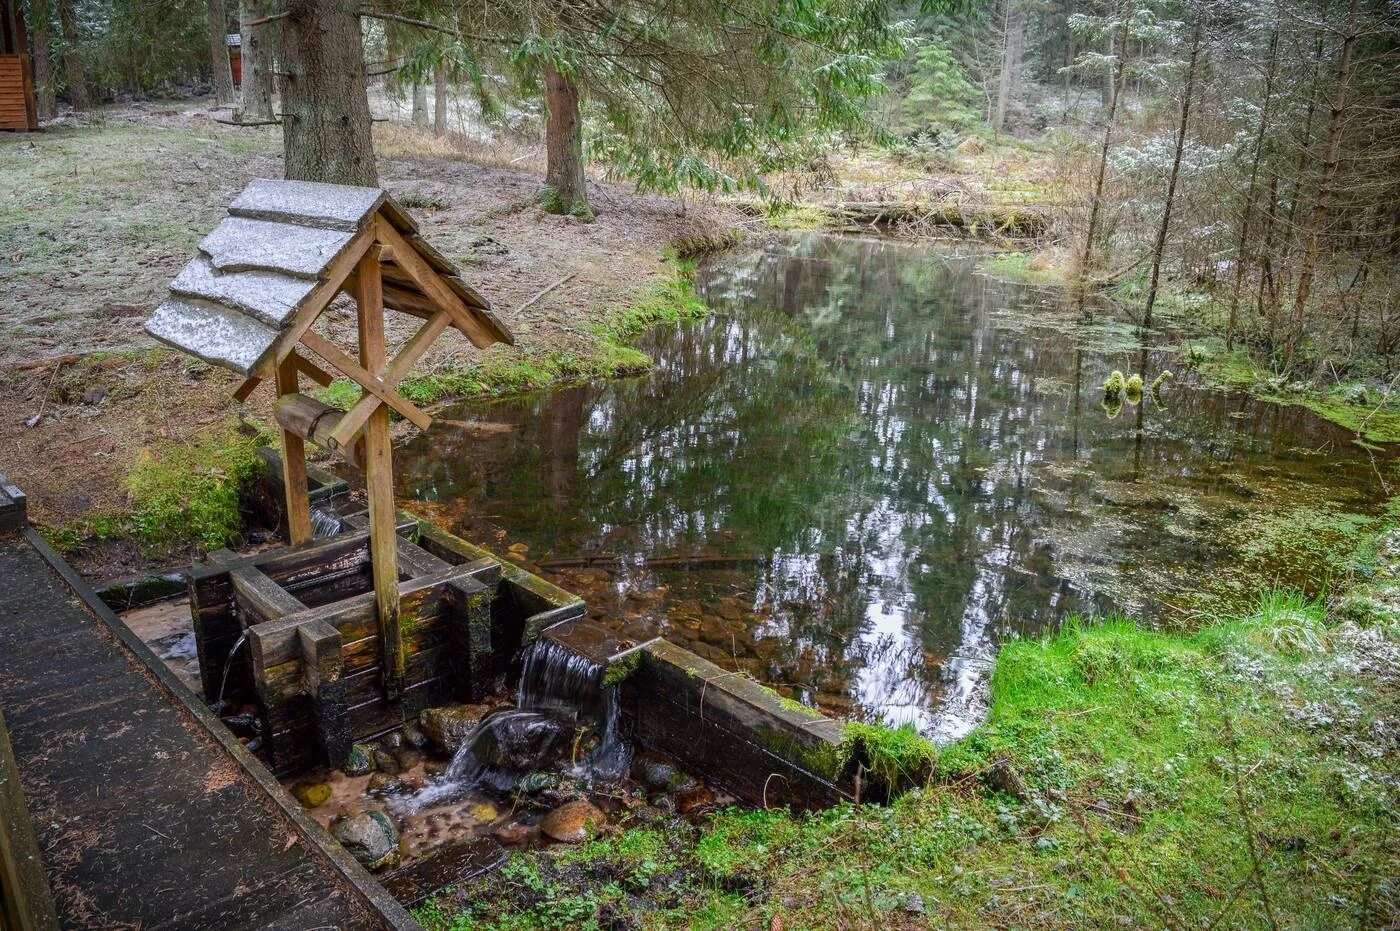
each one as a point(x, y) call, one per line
point(311, 370)
point(323, 675)
point(261, 598)
point(295, 489)
point(379, 477)
point(362, 376)
point(312, 420)
point(359, 415)
point(407, 258)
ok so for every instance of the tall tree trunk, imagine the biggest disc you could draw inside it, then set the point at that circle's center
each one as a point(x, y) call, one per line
point(1159, 248)
point(1013, 35)
point(1252, 193)
point(1325, 190)
point(564, 144)
point(325, 112)
point(72, 60)
point(1295, 195)
point(420, 104)
point(1097, 199)
point(440, 101)
point(256, 51)
point(41, 32)
point(218, 52)
point(1110, 80)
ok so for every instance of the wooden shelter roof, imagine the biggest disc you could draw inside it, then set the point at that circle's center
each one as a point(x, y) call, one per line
point(271, 255)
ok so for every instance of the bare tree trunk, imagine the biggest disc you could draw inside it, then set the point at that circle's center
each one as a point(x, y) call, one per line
point(1160, 246)
point(1096, 201)
point(1013, 36)
point(1253, 191)
point(72, 60)
point(325, 112)
point(1295, 196)
point(1110, 80)
point(1325, 191)
point(41, 32)
point(218, 52)
point(564, 144)
point(420, 104)
point(440, 101)
point(256, 51)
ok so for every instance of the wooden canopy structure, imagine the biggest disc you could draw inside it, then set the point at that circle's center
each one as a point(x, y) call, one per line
point(18, 109)
point(249, 298)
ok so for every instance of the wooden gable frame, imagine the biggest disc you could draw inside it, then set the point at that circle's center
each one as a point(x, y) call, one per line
point(249, 302)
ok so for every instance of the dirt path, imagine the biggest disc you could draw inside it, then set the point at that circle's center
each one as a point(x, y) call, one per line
point(96, 219)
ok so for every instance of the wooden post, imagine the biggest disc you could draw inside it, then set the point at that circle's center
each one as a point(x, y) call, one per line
point(294, 484)
point(379, 477)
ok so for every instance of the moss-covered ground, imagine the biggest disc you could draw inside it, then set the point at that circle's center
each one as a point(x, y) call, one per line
point(1239, 772)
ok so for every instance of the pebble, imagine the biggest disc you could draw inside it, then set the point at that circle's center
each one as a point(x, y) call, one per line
point(312, 794)
point(573, 823)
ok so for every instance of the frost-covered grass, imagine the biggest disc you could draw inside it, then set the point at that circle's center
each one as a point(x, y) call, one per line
point(1241, 774)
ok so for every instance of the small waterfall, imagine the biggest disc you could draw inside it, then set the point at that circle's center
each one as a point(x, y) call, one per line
point(561, 701)
point(228, 667)
point(324, 524)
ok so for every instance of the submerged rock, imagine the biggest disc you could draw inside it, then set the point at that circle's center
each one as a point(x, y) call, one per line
point(312, 794)
point(573, 823)
point(694, 798)
point(407, 758)
point(386, 784)
point(414, 737)
point(514, 833)
point(371, 838)
point(360, 761)
point(484, 811)
point(449, 725)
point(385, 763)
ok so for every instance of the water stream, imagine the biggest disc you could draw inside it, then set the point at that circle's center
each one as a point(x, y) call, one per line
point(565, 718)
point(873, 464)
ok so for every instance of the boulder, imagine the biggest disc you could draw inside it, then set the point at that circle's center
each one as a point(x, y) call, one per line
point(371, 838)
point(573, 823)
point(360, 762)
point(385, 784)
point(385, 763)
point(413, 736)
point(449, 725)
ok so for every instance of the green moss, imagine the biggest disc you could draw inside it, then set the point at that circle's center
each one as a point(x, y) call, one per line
point(798, 217)
point(188, 493)
point(622, 669)
point(1114, 386)
point(897, 758)
point(1020, 266)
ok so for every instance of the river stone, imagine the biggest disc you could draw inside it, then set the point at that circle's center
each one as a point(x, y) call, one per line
point(371, 838)
point(385, 784)
point(312, 794)
point(413, 736)
point(385, 763)
point(572, 823)
point(407, 758)
point(514, 833)
point(360, 760)
point(661, 775)
point(692, 798)
point(391, 741)
point(484, 811)
point(449, 725)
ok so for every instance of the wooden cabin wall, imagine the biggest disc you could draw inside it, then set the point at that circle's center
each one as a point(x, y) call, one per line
point(18, 108)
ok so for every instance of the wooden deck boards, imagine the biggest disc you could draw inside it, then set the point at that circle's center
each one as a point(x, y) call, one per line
point(145, 815)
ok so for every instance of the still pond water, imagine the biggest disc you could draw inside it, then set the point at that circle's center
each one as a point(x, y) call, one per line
point(872, 464)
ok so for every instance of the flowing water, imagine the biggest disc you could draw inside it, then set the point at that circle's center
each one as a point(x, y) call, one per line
point(873, 464)
point(564, 718)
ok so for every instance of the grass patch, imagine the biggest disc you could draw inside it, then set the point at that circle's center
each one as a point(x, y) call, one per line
point(798, 217)
point(183, 496)
point(1022, 267)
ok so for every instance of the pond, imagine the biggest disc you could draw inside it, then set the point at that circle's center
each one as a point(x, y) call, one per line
point(872, 464)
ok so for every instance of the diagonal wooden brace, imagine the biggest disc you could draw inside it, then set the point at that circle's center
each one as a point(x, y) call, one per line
point(357, 416)
point(382, 393)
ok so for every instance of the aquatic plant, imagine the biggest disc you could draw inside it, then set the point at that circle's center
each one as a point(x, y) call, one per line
point(1113, 388)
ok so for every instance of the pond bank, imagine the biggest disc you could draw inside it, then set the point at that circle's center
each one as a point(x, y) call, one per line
point(1241, 774)
point(1368, 408)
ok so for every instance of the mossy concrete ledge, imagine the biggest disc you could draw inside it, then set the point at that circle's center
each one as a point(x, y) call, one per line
point(733, 731)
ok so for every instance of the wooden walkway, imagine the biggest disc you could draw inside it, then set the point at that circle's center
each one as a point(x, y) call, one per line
point(148, 814)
